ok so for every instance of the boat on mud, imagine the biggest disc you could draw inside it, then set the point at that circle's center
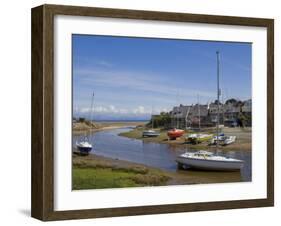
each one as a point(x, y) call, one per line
point(175, 133)
point(223, 140)
point(227, 140)
point(84, 146)
point(150, 133)
point(205, 160)
point(196, 138)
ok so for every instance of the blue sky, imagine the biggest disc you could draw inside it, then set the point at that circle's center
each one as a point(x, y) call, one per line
point(132, 77)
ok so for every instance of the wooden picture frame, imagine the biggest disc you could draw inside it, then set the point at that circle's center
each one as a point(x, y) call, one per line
point(43, 111)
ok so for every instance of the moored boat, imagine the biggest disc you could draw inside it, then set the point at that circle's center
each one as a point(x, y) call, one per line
point(198, 137)
point(218, 138)
point(84, 147)
point(150, 133)
point(205, 160)
point(227, 140)
point(175, 133)
point(223, 140)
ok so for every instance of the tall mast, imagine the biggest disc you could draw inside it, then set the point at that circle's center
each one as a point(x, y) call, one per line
point(177, 110)
point(199, 112)
point(218, 96)
point(91, 109)
point(152, 121)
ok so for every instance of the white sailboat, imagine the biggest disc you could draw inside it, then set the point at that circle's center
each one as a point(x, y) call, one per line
point(222, 138)
point(227, 140)
point(207, 160)
point(196, 138)
point(151, 132)
point(84, 146)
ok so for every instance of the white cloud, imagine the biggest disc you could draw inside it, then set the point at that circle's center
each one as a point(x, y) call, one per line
point(142, 81)
point(111, 109)
point(139, 110)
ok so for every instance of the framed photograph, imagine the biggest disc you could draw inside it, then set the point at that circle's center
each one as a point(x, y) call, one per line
point(141, 112)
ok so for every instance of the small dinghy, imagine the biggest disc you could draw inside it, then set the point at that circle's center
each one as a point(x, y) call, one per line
point(227, 140)
point(150, 133)
point(219, 138)
point(223, 140)
point(196, 138)
point(175, 133)
point(205, 160)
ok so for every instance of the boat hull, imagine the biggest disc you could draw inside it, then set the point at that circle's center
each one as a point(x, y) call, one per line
point(150, 134)
point(204, 164)
point(196, 140)
point(84, 150)
point(174, 134)
point(228, 140)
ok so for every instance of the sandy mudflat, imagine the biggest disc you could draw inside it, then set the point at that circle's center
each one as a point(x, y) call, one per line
point(79, 127)
point(243, 139)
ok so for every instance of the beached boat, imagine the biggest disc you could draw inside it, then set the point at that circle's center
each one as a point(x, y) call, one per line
point(205, 160)
point(219, 138)
point(150, 133)
point(196, 138)
point(175, 133)
point(84, 146)
point(223, 139)
point(227, 140)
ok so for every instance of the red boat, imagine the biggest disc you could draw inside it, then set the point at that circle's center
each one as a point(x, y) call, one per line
point(175, 133)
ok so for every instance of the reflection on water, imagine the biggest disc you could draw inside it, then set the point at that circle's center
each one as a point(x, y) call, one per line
point(109, 144)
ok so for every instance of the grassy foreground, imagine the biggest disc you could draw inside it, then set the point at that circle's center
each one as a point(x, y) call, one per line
point(97, 172)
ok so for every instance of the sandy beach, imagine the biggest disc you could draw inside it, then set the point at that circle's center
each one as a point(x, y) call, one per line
point(83, 127)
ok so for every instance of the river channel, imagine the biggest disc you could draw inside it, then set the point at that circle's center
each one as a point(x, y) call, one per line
point(108, 143)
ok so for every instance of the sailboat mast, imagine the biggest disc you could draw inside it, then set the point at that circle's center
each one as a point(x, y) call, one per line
point(177, 110)
point(152, 120)
point(218, 96)
point(91, 109)
point(199, 113)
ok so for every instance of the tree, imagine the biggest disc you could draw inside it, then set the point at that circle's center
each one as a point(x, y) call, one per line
point(216, 102)
point(231, 101)
point(81, 119)
point(162, 120)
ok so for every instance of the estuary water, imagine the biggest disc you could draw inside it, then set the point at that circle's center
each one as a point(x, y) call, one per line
point(108, 143)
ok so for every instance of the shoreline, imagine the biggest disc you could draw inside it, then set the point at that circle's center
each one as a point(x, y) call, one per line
point(108, 170)
point(79, 128)
point(243, 141)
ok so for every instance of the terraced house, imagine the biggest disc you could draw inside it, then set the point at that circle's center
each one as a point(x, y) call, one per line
point(231, 113)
